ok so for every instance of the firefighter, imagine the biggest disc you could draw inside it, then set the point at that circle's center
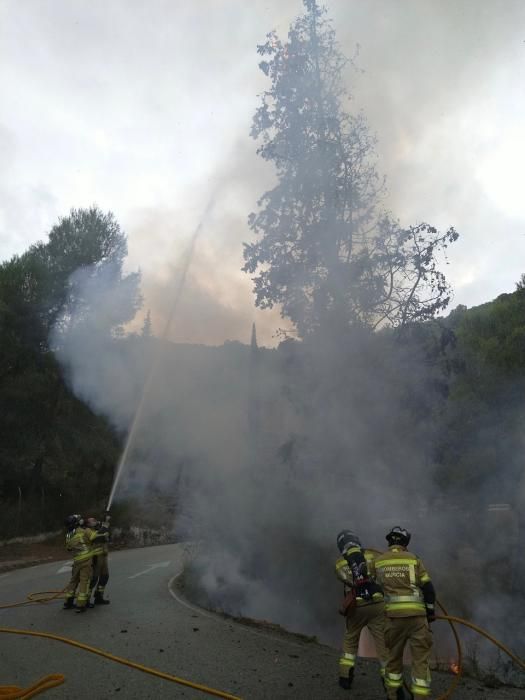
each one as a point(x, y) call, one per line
point(78, 542)
point(355, 568)
point(100, 574)
point(409, 608)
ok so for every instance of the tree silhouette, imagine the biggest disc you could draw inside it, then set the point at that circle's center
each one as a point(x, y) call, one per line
point(327, 252)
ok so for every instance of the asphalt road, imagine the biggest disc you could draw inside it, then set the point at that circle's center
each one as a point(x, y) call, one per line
point(149, 623)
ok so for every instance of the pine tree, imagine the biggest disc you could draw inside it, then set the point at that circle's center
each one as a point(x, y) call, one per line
point(326, 251)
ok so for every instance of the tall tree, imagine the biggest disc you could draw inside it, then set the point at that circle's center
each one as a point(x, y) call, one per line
point(86, 251)
point(327, 252)
point(51, 445)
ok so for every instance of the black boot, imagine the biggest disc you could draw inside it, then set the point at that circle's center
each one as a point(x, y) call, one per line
point(100, 600)
point(346, 681)
point(69, 603)
point(82, 609)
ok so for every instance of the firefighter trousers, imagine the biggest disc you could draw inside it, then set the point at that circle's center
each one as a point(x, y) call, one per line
point(100, 575)
point(373, 617)
point(80, 577)
point(416, 632)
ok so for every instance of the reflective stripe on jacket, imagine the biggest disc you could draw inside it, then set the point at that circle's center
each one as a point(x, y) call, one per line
point(97, 548)
point(401, 575)
point(104, 530)
point(79, 544)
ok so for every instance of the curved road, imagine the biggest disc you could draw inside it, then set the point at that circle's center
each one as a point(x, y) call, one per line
point(149, 623)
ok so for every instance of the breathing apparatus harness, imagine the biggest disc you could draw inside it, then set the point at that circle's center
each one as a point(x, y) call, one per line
point(362, 587)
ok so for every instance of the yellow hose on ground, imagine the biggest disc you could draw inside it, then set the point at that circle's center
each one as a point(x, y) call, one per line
point(42, 597)
point(125, 662)
point(447, 694)
point(13, 692)
point(450, 618)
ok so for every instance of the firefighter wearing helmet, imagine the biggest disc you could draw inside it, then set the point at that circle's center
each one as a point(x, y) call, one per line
point(364, 603)
point(80, 541)
point(409, 608)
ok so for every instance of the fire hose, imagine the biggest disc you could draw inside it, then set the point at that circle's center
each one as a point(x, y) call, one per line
point(54, 680)
point(457, 678)
point(451, 619)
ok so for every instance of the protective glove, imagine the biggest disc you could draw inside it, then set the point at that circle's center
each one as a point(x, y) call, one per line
point(431, 613)
point(363, 591)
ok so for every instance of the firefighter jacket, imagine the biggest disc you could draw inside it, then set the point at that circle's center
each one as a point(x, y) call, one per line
point(98, 539)
point(78, 542)
point(406, 584)
point(84, 543)
point(348, 575)
point(102, 530)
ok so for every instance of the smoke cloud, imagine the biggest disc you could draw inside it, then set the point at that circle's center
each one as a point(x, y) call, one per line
point(263, 455)
point(217, 301)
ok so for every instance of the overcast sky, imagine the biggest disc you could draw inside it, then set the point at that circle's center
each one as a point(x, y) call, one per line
point(144, 107)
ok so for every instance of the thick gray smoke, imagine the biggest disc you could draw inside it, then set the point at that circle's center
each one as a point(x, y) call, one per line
point(263, 455)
